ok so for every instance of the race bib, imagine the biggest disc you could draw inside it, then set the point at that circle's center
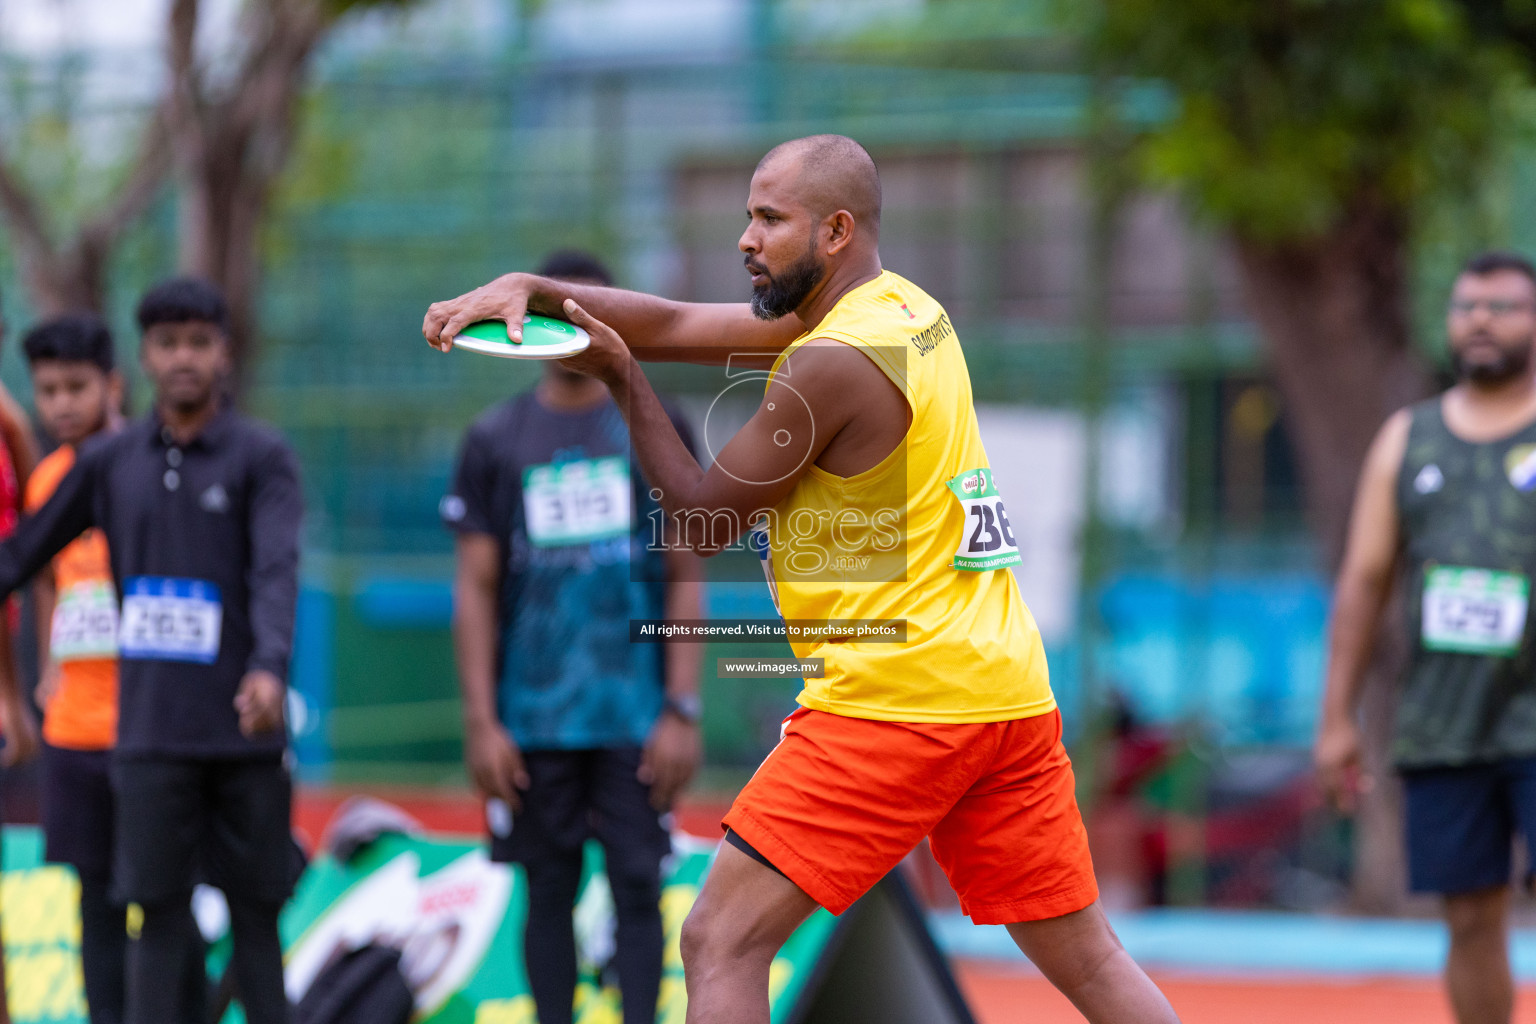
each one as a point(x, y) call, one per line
point(84, 623)
point(170, 620)
point(1474, 611)
point(578, 502)
point(986, 539)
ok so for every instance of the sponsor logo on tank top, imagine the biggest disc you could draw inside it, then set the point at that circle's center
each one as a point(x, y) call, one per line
point(1429, 480)
point(1520, 465)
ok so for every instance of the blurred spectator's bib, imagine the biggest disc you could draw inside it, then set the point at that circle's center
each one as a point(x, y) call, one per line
point(171, 620)
point(84, 622)
point(578, 502)
point(1474, 611)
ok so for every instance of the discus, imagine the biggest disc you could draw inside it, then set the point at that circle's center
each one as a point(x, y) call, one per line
point(543, 338)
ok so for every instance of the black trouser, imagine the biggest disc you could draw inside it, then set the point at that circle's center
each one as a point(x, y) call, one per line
point(78, 829)
point(232, 819)
point(78, 825)
point(574, 795)
point(103, 949)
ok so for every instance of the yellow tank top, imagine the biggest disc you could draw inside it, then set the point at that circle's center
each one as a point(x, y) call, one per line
point(921, 537)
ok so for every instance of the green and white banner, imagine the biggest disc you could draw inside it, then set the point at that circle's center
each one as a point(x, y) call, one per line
point(459, 920)
point(39, 916)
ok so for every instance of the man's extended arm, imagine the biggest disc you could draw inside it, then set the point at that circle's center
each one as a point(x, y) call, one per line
point(655, 328)
point(17, 724)
point(495, 764)
point(470, 510)
point(68, 513)
point(684, 601)
point(276, 510)
point(673, 749)
point(1362, 590)
point(45, 598)
point(684, 598)
point(763, 462)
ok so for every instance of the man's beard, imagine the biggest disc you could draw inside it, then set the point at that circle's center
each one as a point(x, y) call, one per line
point(1511, 363)
point(785, 291)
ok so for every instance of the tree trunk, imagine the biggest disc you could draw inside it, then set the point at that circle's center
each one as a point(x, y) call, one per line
point(229, 143)
point(72, 277)
point(220, 240)
point(1334, 315)
point(230, 148)
point(68, 282)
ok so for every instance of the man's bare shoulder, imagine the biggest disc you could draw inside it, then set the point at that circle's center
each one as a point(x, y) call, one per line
point(1385, 457)
point(830, 357)
point(1396, 426)
point(855, 404)
point(836, 372)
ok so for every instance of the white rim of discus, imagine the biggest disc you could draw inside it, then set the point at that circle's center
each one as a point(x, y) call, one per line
point(534, 346)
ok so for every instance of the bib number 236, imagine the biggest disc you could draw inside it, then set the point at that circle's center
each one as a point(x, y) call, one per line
point(986, 539)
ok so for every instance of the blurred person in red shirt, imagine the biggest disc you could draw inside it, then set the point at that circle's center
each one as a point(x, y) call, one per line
point(18, 454)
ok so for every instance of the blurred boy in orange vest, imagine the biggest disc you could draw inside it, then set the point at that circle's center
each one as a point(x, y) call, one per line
point(78, 393)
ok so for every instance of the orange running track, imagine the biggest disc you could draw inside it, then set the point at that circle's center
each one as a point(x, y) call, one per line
point(1002, 993)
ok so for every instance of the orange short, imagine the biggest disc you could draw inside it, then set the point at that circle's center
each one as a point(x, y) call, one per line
point(840, 801)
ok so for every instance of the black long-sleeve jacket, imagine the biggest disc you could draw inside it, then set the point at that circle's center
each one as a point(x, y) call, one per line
point(204, 542)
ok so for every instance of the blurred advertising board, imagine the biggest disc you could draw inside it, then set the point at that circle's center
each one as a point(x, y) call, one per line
point(458, 918)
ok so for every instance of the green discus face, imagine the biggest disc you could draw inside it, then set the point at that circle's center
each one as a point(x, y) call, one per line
point(543, 338)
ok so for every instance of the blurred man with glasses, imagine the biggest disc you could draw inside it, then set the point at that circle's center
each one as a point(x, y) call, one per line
point(1448, 497)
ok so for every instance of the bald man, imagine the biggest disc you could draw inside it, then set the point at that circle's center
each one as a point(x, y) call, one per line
point(863, 469)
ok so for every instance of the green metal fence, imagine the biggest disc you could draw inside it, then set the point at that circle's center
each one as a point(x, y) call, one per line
point(415, 180)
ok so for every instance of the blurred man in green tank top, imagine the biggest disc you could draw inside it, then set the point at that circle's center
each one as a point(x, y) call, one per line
point(1448, 499)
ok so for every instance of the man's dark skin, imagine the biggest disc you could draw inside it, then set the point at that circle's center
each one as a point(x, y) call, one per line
point(814, 219)
point(188, 364)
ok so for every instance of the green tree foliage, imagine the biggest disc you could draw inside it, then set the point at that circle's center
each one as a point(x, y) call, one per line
point(221, 131)
point(1320, 135)
point(975, 35)
point(1291, 111)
